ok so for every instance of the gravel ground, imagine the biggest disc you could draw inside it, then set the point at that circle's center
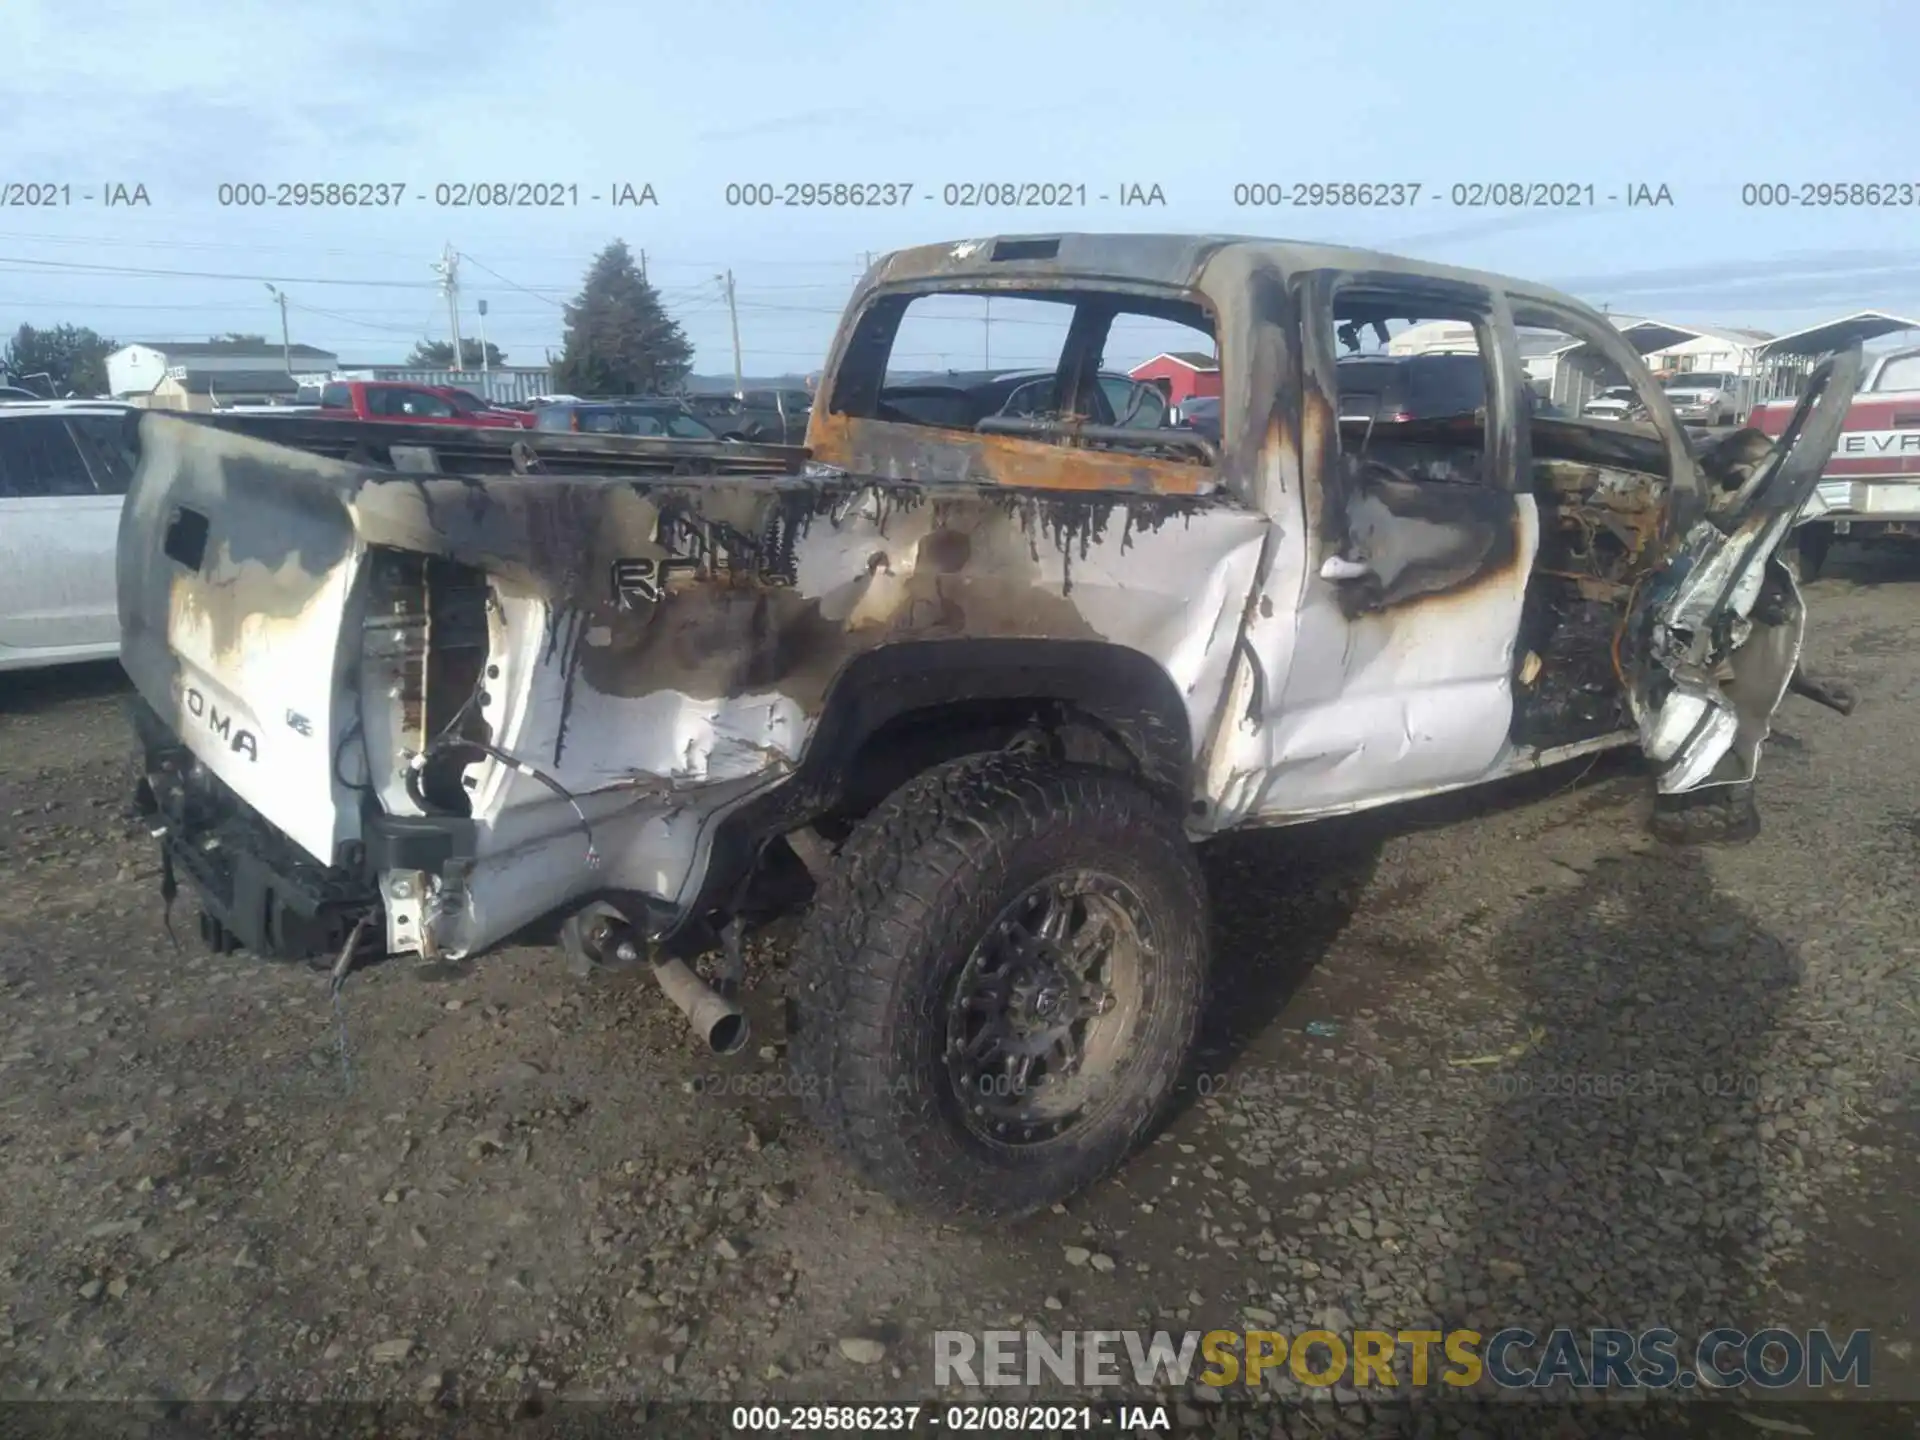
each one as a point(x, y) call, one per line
point(1692, 1102)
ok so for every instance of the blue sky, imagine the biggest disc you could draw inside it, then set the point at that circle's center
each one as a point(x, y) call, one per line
point(1194, 98)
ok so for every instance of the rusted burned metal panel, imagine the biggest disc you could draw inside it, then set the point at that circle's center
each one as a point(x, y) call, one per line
point(657, 649)
point(929, 456)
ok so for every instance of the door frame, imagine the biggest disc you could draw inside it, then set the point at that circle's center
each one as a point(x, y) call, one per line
point(1347, 710)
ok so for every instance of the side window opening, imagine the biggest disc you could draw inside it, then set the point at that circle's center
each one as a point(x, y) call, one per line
point(1575, 391)
point(1413, 379)
point(425, 404)
point(1062, 366)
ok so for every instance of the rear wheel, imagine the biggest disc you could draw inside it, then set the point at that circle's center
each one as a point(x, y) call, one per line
point(999, 983)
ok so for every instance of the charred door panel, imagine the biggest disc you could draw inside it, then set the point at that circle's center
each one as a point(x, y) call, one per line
point(1405, 591)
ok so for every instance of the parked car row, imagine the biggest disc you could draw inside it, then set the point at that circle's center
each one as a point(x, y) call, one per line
point(1698, 397)
point(625, 417)
point(764, 417)
point(415, 404)
point(777, 417)
point(963, 399)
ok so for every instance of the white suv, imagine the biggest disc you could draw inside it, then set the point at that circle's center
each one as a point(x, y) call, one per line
point(64, 468)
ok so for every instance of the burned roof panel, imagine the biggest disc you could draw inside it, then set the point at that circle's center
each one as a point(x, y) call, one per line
point(1176, 261)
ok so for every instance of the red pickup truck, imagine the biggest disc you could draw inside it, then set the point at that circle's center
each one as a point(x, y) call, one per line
point(415, 405)
point(1870, 489)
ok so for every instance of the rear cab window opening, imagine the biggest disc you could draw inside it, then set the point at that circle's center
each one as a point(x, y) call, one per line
point(997, 361)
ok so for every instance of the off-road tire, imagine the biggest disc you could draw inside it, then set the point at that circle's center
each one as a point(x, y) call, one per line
point(912, 891)
point(1717, 815)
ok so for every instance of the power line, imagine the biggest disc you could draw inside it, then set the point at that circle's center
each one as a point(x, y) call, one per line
point(349, 320)
point(511, 284)
point(79, 267)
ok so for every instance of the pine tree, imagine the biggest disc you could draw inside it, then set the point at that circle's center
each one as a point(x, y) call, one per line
point(619, 338)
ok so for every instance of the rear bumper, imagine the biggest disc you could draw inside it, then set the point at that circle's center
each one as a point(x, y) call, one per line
point(1862, 506)
point(430, 884)
point(262, 890)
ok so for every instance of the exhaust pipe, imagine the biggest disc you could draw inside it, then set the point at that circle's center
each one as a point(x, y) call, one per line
point(721, 1023)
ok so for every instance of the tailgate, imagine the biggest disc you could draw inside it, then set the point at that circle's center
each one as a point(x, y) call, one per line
point(237, 563)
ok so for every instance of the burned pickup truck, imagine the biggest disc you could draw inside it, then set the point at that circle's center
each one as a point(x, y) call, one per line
point(966, 687)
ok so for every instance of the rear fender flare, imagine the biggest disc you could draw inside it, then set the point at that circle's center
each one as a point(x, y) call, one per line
point(1124, 691)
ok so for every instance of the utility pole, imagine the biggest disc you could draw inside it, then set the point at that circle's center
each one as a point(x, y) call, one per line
point(643, 267)
point(733, 318)
point(286, 344)
point(447, 267)
point(486, 363)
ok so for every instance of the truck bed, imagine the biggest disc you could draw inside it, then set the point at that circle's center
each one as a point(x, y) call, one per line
point(458, 450)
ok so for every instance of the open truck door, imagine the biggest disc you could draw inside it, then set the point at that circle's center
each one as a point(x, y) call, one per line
point(1713, 636)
